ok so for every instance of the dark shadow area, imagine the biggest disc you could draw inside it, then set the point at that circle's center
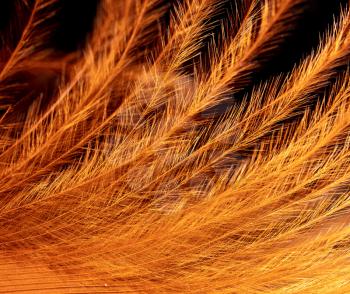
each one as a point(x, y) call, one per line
point(75, 20)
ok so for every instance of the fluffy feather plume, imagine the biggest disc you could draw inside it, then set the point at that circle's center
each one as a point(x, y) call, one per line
point(138, 170)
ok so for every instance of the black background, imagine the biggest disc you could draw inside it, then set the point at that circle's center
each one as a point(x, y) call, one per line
point(75, 20)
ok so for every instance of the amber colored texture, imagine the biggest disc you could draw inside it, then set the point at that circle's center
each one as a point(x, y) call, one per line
point(130, 165)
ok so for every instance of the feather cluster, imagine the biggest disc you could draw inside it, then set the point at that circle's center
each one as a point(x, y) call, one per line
point(142, 165)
